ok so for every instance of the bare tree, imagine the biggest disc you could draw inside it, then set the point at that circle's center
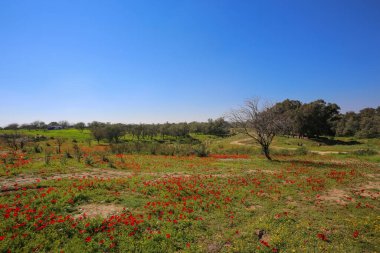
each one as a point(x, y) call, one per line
point(261, 124)
point(59, 141)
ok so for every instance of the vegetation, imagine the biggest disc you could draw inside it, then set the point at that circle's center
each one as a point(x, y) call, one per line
point(121, 197)
point(193, 187)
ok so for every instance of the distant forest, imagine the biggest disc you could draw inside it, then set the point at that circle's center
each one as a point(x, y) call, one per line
point(313, 119)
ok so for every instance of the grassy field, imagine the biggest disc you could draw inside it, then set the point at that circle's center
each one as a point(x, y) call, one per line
point(71, 134)
point(232, 201)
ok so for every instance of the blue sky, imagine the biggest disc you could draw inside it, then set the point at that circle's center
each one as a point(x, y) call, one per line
point(182, 60)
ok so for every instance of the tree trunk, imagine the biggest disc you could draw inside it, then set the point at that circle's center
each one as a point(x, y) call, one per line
point(266, 152)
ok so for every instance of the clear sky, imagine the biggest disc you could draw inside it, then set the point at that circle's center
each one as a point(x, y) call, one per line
point(182, 60)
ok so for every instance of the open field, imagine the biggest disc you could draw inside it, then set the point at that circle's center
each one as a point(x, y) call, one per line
point(99, 201)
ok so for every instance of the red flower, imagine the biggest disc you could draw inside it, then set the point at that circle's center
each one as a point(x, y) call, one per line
point(88, 239)
point(2, 237)
point(322, 237)
point(355, 234)
point(188, 245)
point(167, 235)
point(266, 244)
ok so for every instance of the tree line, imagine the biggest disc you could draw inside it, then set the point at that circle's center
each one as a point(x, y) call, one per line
point(314, 119)
point(319, 118)
point(113, 132)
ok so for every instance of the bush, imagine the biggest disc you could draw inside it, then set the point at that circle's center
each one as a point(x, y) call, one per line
point(47, 157)
point(301, 151)
point(89, 160)
point(155, 148)
point(283, 152)
point(37, 148)
point(364, 152)
point(289, 152)
point(201, 150)
point(67, 154)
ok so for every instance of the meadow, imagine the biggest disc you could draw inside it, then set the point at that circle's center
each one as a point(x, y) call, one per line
point(315, 196)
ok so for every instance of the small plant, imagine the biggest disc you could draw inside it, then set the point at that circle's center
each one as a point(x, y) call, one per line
point(3, 159)
point(37, 148)
point(105, 158)
point(77, 152)
point(111, 165)
point(67, 154)
point(63, 160)
point(89, 160)
point(59, 141)
point(47, 157)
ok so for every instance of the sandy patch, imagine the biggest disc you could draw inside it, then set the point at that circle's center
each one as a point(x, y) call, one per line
point(336, 195)
point(98, 210)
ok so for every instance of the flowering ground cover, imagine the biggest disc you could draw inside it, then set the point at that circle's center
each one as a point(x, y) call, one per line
point(105, 202)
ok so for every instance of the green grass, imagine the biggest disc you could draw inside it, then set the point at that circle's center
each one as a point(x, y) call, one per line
point(70, 134)
point(281, 142)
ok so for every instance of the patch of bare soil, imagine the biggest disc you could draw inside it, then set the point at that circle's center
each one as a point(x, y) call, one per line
point(214, 247)
point(369, 190)
point(254, 207)
point(240, 142)
point(261, 171)
point(8, 184)
point(336, 195)
point(98, 210)
point(372, 185)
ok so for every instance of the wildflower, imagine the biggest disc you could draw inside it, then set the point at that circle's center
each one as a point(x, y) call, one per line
point(266, 244)
point(2, 237)
point(167, 235)
point(88, 239)
point(355, 234)
point(322, 237)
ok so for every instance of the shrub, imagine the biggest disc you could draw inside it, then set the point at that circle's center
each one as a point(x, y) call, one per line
point(67, 154)
point(77, 152)
point(89, 160)
point(63, 160)
point(364, 152)
point(37, 148)
point(47, 156)
point(301, 151)
point(201, 150)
